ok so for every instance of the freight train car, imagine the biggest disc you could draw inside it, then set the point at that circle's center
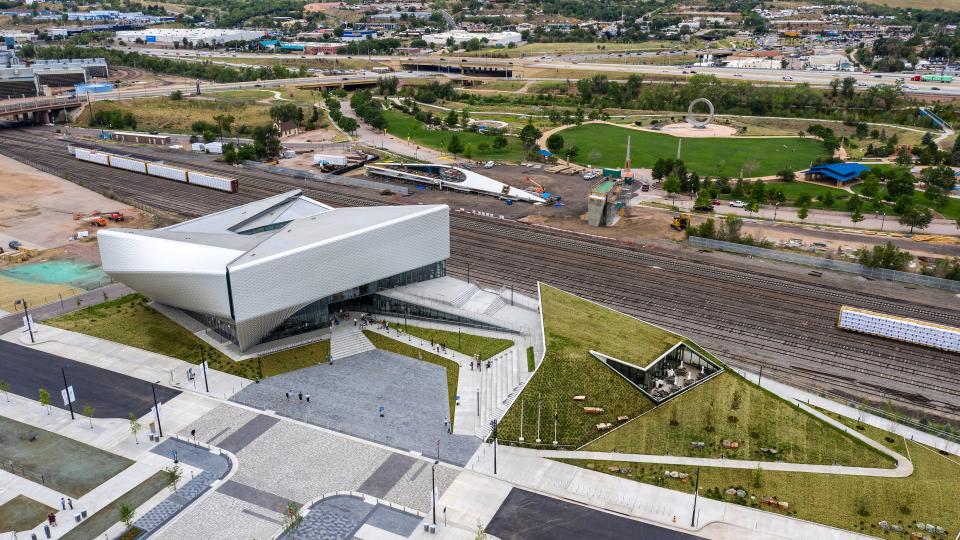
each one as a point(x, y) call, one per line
point(186, 176)
point(929, 334)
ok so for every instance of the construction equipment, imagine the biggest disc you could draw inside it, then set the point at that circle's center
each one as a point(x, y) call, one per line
point(113, 216)
point(681, 221)
point(97, 221)
point(14, 244)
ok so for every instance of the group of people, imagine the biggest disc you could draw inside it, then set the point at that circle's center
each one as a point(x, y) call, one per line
point(300, 395)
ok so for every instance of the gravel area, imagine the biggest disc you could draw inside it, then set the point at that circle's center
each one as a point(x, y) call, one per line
point(346, 397)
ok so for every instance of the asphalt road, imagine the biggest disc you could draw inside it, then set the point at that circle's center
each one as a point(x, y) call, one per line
point(114, 395)
point(530, 516)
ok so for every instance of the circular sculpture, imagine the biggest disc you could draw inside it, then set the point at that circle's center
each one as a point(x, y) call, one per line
point(692, 118)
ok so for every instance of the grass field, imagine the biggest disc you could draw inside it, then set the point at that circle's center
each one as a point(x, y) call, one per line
point(164, 114)
point(399, 347)
point(573, 326)
point(792, 190)
point(407, 127)
point(241, 96)
point(508, 86)
point(603, 145)
point(761, 420)
point(22, 514)
point(131, 321)
point(855, 503)
point(36, 294)
point(95, 525)
point(463, 342)
point(950, 211)
point(68, 466)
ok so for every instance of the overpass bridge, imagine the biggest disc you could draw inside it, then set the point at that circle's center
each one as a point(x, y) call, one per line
point(477, 67)
point(38, 109)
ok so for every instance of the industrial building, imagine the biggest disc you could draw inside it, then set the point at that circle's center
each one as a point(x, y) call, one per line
point(193, 36)
point(491, 39)
point(94, 67)
point(281, 266)
point(22, 81)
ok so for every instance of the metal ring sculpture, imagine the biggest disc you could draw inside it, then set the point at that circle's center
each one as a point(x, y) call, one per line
point(692, 120)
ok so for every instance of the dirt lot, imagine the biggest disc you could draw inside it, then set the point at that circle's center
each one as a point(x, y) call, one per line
point(38, 209)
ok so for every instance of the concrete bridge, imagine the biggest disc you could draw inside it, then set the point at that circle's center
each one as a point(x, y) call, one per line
point(38, 109)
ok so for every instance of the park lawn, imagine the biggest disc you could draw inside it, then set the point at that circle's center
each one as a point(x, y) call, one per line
point(241, 96)
point(97, 524)
point(792, 190)
point(453, 369)
point(22, 513)
point(176, 116)
point(468, 344)
point(404, 126)
point(950, 211)
point(604, 145)
point(131, 321)
point(762, 420)
point(506, 85)
point(573, 327)
point(68, 466)
point(929, 495)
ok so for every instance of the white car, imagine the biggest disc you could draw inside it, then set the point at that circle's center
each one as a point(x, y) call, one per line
point(738, 204)
point(787, 78)
point(738, 74)
point(488, 165)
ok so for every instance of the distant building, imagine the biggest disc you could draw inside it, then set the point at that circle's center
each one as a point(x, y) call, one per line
point(491, 39)
point(193, 36)
point(287, 128)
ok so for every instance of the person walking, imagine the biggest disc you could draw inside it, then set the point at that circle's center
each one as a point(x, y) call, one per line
point(308, 398)
point(52, 519)
point(288, 395)
point(471, 365)
point(301, 396)
point(63, 503)
point(446, 425)
point(70, 503)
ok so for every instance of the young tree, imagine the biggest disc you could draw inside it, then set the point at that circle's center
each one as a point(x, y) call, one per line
point(127, 513)
point(672, 186)
point(887, 256)
point(529, 135)
point(135, 427)
point(803, 212)
point(292, 519)
point(916, 216)
point(89, 411)
point(455, 146)
point(171, 477)
point(571, 152)
point(5, 388)
point(500, 142)
point(555, 143)
point(856, 216)
point(45, 399)
point(758, 478)
point(464, 119)
point(787, 175)
point(452, 119)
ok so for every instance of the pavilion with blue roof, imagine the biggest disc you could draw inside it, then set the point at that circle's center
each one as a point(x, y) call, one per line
point(839, 173)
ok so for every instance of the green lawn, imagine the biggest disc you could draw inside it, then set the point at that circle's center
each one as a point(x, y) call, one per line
point(760, 420)
point(400, 124)
point(243, 96)
point(22, 513)
point(603, 145)
point(950, 211)
point(468, 344)
point(574, 326)
point(792, 190)
point(453, 369)
point(68, 466)
point(95, 525)
point(176, 116)
point(131, 321)
point(929, 495)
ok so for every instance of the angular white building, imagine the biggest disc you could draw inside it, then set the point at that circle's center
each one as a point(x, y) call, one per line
point(280, 266)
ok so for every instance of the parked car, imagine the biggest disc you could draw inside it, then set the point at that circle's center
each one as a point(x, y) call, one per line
point(488, 165)
point(787, 78)
point(738, 204)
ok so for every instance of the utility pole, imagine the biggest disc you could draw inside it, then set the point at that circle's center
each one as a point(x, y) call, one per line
point(156, 408)
point(26, 315)
point(494, 424)
point(696, 491)
point(433, 492)
point(66, 389)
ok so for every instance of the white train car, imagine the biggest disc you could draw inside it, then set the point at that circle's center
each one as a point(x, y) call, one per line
point(166, 171)
point(214, 182)
point(128, 164)
point(94, 157)
point(915, 331)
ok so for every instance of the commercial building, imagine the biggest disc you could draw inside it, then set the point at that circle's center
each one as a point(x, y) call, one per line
point(491, 39)
point(193, 36)
point(281, 266)
point(839, 173)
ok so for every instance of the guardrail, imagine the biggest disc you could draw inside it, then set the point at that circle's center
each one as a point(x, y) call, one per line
point(828, 264)
point(40, 103)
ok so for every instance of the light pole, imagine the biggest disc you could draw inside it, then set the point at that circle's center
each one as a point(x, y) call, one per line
point(433, 492)
point(494, 424)
point(696, 491)
point(883, 218)
point(26, 315)
point(776, 206)
point(156, 408)
point(66, 389)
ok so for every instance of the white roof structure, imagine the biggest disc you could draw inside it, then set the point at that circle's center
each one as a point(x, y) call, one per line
point(462, 36)
point(253, 266)
point(456, 178)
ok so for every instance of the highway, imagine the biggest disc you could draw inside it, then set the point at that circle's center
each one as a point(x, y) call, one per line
point(594, 62)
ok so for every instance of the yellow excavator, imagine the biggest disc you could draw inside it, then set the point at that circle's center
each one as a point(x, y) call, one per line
point(681, 221)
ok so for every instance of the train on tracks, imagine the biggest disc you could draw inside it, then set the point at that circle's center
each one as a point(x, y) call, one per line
point(177, 174)
point(938, 336)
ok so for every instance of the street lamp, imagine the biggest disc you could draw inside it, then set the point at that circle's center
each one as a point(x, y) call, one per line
point(696, 491)
point(883, 218)
point(433, 492)
point(493, 425)
point(26, 315)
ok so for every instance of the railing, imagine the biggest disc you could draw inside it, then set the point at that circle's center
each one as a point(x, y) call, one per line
point(40, 103)
point(829, 264)
point(13, 468)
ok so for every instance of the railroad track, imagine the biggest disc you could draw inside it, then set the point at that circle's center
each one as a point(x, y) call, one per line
point(750, 318)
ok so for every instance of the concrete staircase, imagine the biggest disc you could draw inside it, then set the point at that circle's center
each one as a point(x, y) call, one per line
point(347, 340)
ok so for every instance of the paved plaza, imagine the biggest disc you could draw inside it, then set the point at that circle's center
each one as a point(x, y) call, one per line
point(343, 517)
point(346, 397)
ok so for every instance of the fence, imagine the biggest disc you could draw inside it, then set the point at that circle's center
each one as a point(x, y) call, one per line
point(828, 264)
point(328, 178)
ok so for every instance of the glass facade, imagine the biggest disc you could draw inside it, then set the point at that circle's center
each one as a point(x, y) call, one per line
point(398, 308)
point(677, 371)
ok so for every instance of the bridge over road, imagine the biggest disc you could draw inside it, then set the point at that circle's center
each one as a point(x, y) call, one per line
point(38, 109)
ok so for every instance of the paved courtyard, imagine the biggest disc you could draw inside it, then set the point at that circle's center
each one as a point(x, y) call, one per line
point(346, 397)
point(344, 517)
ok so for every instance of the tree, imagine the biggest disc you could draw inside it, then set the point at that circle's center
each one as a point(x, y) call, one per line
point(468, 151)
point(803, 212)
point(176, 95)
point(464, 119)
point(528, 136)
point(916, 216)
point(452, 119)
point(45, 399)
point(171, 477)
point(828, 199)
point(854, 203)
point(672, 186)
point(555, 143)
point(455, 146)
point(571, 152)
point(887, 256)
point(500, 142)
point(266, 141)
point(5, 388)
point(787, 175)
point(804, 199)
point(135, 427)
point(758, 478)
point(127, 513)
point(88, 411)
point(856, 216)
point(285, 112)
point(292, 519)
point(224, 122)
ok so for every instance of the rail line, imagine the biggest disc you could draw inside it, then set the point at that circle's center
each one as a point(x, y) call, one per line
point(750, 318)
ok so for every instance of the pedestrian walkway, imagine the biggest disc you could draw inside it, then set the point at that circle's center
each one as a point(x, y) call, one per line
point(347, 339)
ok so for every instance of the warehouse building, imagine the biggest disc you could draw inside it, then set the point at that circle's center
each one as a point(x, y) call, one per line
point(193, 36)
point(490, 39)
point(281, 266)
